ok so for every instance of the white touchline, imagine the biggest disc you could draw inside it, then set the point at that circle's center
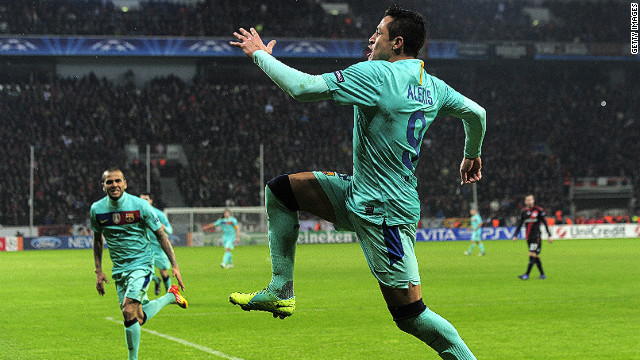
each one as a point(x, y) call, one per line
point(183, 342)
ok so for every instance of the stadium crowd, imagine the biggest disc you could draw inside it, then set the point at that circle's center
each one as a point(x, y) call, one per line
point(544, 127)
point(468, 20)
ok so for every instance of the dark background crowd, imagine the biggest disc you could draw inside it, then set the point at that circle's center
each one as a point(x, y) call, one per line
point(547, 123)
point(469, 20)
point(545, 126)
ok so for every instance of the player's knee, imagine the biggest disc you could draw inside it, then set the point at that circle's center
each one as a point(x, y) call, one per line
point(129, 314)
point(401, 313)
point(280, 186)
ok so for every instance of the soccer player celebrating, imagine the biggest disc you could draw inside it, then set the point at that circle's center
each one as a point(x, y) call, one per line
point(476, 232)
point(230, 236)
point(123, 220)
point(394, 101)
point(160, 259)
point(532, 216)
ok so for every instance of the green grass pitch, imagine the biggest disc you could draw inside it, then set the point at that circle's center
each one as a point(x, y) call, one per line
point(586, 309)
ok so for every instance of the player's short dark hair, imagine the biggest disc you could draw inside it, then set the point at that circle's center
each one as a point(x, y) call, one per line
point(110, 170)
point(410, 26)
point(145, 193)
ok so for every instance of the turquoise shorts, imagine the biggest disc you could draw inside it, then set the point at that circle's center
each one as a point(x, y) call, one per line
point(476, 235)
point(133, 284)
point(389, 250)
point(160, 259)
point(227, 241)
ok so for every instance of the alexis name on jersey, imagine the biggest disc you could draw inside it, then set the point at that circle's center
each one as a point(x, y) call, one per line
point(420, 93)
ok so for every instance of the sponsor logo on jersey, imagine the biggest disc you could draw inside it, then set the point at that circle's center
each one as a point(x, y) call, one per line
point(118, 218)
point(339, 76)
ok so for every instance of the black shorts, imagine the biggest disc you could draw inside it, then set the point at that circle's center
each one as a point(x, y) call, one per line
point(535, 245)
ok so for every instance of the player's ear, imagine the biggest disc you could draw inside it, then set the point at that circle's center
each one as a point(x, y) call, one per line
point(398, 44)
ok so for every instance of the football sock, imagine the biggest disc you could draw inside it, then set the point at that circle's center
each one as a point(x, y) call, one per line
point(226, 259)
point(438, 333)
point(539, 263)
point(283, 228)
point(471, 247)
point(156, 279)
point(132, 336)
point(229, 257)
point(532, 260)
point(153, 307)
point(167, 282)
point(481, 247)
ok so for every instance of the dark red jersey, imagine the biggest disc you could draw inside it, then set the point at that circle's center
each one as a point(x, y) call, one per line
point(532, 218)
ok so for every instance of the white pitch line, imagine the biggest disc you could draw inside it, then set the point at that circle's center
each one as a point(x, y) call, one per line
point(183, 342)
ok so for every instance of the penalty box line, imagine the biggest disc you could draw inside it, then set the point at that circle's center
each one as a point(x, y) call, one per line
point(183, 342)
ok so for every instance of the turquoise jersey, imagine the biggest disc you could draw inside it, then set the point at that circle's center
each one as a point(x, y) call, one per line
point(228, 226)
point(394, 104)
point(167, 229)
point(476, 224)
point(124, 224)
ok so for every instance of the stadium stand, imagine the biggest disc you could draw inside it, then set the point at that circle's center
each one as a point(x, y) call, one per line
point(546, 126)
point(469, 20)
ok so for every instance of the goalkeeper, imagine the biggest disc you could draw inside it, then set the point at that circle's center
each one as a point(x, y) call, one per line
point(394, 101)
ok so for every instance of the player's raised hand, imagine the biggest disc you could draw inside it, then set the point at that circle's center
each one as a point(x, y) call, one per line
point(101, 278)
point(470, 170)
point(250, 42)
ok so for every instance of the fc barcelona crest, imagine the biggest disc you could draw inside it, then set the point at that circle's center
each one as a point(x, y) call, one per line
point(116, 218)
point(129, 217)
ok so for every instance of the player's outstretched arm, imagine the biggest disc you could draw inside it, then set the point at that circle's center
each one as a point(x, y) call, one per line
point(301, 86)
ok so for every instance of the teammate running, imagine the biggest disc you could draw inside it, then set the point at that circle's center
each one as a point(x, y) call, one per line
point(230, 236)
point(532, 216)
point(160, 259)
point(123, 219)
point(476, 232)
point(394, 101)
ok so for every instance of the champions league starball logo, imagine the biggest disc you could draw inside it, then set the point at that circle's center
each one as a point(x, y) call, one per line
point(113, 46)
point(16, 45)
point(211, 46)
point(305, 47)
